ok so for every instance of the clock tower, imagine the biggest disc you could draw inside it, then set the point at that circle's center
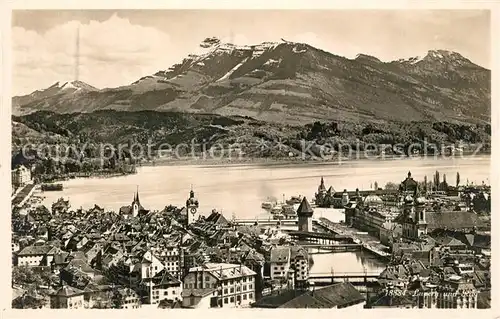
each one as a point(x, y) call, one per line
point(192, 206)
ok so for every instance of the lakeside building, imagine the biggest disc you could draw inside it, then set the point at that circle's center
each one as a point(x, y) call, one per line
point(289, 265)
point(219, 285)
point(330, 198)
point(21, 176)
point(370, 214)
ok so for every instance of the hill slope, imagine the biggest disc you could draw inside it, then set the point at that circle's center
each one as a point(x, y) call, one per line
point(257, 139)
point(295, 83)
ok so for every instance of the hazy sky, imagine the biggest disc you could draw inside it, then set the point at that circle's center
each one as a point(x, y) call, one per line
point(119, 47)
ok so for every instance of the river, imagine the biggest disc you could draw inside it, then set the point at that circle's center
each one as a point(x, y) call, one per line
point(240, 190)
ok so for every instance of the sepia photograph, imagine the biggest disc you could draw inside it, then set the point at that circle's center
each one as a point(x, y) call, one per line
point(255, 159)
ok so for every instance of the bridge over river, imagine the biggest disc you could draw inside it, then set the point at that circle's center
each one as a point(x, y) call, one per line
point(353, 277)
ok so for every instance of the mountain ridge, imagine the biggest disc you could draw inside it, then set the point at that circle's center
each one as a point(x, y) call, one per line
point(293, 82)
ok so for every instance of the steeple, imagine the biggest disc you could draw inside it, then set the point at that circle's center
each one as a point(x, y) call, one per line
point(136, 197)
point(322, 188)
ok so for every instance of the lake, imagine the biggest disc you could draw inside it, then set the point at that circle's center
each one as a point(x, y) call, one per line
point(240, 189)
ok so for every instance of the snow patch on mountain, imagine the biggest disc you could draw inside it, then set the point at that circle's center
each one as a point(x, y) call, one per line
point(229, 48)
point(228, 74)
point(272, 62)
point(296, 50)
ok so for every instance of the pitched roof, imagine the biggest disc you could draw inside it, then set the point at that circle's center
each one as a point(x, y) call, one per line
point(165, 278)
point(68, 291)
point(451, 220)
point(304, 208)
point(337, 295)
point(223, 271)
point(79, 264)
point(217, 218)
point(37, 250)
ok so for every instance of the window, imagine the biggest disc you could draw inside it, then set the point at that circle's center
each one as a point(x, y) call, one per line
point(250, 286)
point(166, 293)
point(207, 278)
point(238, 289)
point(244, 287)
point(225, 300)
point(232, 290)
point(225, 291)
point(244, 296)
point(231, 299)
point(250, 295)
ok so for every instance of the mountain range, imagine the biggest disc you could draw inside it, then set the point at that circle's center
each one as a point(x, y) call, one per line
point(291, 83)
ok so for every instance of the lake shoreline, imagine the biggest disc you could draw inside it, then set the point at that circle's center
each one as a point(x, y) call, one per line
point(235, 162)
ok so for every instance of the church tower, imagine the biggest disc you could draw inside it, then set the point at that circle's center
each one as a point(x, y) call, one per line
point(322, 187)
point(345, 198)
point(136, 204)
point(420, 227)
point(321, 194)
point(305, 213)
point(192, 206)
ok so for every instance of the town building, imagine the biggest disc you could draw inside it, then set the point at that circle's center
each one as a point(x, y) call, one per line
point(289, 265)
point(279, 263)
point(129, 299)
point(164, 286)
point(219, 285)
point(299, 262)
point(408, 186)
point(21, 176)
point(172, 256)
point(37, 255)
point(67, 297)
